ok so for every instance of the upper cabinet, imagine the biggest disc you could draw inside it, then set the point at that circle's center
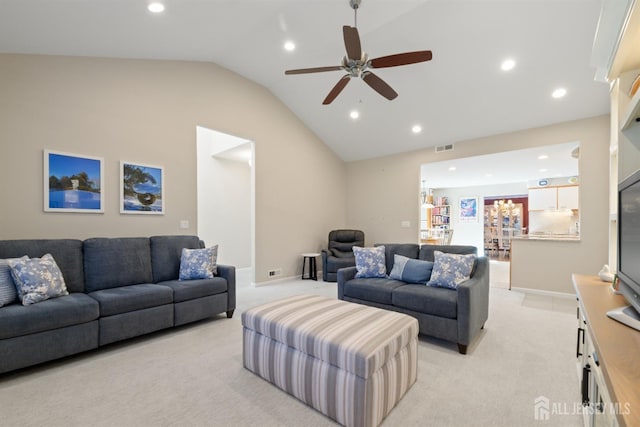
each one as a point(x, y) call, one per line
point(553, 198)
point(568, 197)
point(541, 199)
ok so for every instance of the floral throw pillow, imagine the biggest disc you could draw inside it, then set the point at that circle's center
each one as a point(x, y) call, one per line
point(199, 263)
point(37, 279)
point(370, 262)
point(449, 270)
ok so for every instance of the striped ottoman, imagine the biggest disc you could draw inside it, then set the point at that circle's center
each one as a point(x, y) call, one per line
point(351, 362)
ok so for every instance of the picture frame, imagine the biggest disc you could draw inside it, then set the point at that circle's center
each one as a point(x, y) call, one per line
point(72, 182)
point(141, 189)
point(468, 210)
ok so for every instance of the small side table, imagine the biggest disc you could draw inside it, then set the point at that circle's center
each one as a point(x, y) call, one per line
point(313, 269)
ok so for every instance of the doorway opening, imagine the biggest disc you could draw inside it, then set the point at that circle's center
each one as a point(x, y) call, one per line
point(226, 199)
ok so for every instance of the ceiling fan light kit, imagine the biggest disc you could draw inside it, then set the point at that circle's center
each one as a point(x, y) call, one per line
point(357, 63)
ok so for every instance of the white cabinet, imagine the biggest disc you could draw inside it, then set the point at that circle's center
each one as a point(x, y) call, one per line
point(568, 197)
point(543, 198)
point(551, 198)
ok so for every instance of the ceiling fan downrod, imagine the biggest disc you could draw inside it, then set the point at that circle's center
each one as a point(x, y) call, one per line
point(355, 4)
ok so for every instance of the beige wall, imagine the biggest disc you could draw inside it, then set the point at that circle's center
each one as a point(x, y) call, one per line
point(148, 111)
point(384, 191)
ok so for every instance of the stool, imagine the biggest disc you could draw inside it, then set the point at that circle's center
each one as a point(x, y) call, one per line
point(349, 361)
point(313, 269)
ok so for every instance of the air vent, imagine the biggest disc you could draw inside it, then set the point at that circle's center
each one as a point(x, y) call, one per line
point(446, 147)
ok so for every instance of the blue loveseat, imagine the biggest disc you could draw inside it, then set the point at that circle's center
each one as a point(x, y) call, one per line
point(118, 288)
point(455, 315)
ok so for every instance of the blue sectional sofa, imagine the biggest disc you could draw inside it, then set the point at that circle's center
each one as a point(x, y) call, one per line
point(118, 288)
point(454, 315)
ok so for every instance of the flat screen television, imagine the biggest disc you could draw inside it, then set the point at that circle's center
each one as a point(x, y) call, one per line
point(629, 248)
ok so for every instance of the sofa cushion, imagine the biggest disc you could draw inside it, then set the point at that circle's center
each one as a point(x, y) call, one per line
point(166, 252)
point(449, 270)
point(370, 262)
point(427, 251)
point(8, 292)
point(409, 250)
point(73, 309)
point(66, 252)
point(115, 262)
point(198, 263)
point(37, 279)
point(372, 289)
point(185, 290)
point(439, 302)
point(131, 298)
point(410, 270)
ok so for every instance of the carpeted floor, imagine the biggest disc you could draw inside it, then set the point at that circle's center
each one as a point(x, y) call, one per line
point(193, 375)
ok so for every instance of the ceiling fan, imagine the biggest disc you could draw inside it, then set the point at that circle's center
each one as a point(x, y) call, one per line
point(358, 64)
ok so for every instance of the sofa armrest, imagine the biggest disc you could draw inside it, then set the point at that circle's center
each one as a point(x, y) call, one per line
point(229, 272)
point(473, 303)
point(344, 275)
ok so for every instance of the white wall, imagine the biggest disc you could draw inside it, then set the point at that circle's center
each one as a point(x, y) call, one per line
point(224, 199)
point(147, 111)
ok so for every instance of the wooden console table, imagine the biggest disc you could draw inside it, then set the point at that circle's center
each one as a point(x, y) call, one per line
point(616, 348)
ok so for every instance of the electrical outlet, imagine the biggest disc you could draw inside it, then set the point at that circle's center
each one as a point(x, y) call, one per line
point(184, 223)
point(405, 224)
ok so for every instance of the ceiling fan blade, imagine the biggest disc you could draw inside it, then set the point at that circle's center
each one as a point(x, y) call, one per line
point(352, 42)
point(313, 70)
point(379, 85)
point(401, 59)
point(337, 89)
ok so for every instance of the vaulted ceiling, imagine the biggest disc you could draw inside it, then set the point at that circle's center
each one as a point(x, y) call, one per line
point(461, 94)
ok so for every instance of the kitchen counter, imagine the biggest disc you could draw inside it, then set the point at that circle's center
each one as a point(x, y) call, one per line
point(550, 237)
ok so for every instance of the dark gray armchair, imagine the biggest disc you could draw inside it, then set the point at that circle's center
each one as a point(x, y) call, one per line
point(339, 253)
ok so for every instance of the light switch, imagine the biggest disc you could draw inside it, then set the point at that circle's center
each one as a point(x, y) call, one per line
point(405, 224)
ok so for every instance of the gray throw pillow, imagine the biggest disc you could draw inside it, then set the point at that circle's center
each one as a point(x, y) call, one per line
point(8, 294)
point(411, 270)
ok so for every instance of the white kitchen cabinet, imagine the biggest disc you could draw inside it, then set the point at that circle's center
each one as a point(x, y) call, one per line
point(551, 198)
point(568, 197)
point(543, 198)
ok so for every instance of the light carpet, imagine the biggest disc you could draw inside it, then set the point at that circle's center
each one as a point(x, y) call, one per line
point(193, 376)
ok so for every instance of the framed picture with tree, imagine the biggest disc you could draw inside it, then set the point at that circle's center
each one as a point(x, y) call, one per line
point(142, 189)
point(72, 183)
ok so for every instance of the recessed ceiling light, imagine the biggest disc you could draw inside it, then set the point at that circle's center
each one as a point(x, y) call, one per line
point(542, 170)
point(416, 129)
point(542, 157)
point(508, 64)
point(289, 46)
point(156, 7)
point(452, 168)
point(559, 93)
point(354, 114)
point(489, 175)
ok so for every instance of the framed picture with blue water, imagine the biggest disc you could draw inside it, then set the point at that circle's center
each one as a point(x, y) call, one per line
point(142, 189)
point(73, 183)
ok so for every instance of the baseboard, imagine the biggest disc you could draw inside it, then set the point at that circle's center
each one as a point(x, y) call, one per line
point(544, 292)
point(282, 279)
